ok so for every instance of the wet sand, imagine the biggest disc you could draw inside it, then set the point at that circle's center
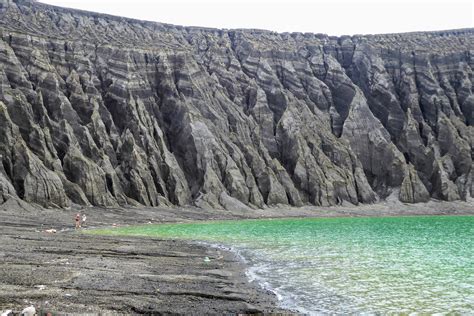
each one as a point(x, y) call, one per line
point(71, 272)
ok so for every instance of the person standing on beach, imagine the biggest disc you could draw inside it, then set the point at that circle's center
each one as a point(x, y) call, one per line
point(84, 217)
point(78, 220)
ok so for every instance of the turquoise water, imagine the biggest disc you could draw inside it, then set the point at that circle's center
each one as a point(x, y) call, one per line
point(351, 265)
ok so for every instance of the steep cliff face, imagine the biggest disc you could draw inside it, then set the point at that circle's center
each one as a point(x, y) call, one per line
point(108, 111)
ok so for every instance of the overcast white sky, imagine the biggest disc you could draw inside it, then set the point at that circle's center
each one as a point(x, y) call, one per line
point(335, 17)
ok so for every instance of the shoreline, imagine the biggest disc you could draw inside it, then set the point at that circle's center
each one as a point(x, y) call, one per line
point(132, 274)
point(70, 272)
point(252, 276)
point(252, 279)
point(287, 299)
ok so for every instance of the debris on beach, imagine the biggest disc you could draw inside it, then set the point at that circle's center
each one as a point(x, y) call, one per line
point(51, 231)
point(29, 311)
point(40, 287)
point(206, 259)
point(7, 313)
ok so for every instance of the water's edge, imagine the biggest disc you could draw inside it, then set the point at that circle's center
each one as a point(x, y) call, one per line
point(251, 275)
point(254, 261)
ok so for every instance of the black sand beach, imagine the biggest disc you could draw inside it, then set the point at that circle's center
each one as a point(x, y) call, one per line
point(71, 272)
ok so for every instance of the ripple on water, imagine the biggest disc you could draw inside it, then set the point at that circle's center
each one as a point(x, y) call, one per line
point(353, 265)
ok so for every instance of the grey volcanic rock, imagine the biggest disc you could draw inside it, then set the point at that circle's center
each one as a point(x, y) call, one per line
point(29, 177)
point(383, 163)
point(7, 190)
point(412, 189)
point(102, 110)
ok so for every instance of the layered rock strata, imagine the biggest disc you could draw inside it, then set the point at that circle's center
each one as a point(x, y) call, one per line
point(102, 110)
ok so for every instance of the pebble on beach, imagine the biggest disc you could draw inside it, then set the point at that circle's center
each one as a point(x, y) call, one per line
point(29, 311)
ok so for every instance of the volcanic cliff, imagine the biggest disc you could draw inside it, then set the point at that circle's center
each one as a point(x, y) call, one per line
point(102, 110)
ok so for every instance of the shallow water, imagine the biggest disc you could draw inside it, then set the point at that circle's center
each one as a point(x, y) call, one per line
point(351, 265)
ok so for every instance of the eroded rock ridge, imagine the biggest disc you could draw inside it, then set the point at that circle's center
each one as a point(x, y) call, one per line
point(102, 110)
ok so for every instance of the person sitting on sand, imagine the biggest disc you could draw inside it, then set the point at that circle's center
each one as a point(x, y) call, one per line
point(78, 220)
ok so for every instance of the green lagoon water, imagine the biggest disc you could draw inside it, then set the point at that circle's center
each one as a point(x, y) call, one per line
point(349, 265)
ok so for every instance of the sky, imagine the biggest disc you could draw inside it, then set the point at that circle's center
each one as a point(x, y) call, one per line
point(336, 17)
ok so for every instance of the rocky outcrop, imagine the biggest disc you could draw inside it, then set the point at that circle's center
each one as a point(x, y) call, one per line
point(102, 110)
point(27, 174)
point(6, 188)
point(412, 189)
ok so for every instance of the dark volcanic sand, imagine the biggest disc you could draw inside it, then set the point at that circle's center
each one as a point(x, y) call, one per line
point(90, 274)
point(70, 272)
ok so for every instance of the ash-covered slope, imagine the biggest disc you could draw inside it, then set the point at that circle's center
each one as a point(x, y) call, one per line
point(103, 110)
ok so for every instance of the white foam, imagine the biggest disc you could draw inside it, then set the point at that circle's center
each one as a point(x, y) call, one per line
point(256, 273)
